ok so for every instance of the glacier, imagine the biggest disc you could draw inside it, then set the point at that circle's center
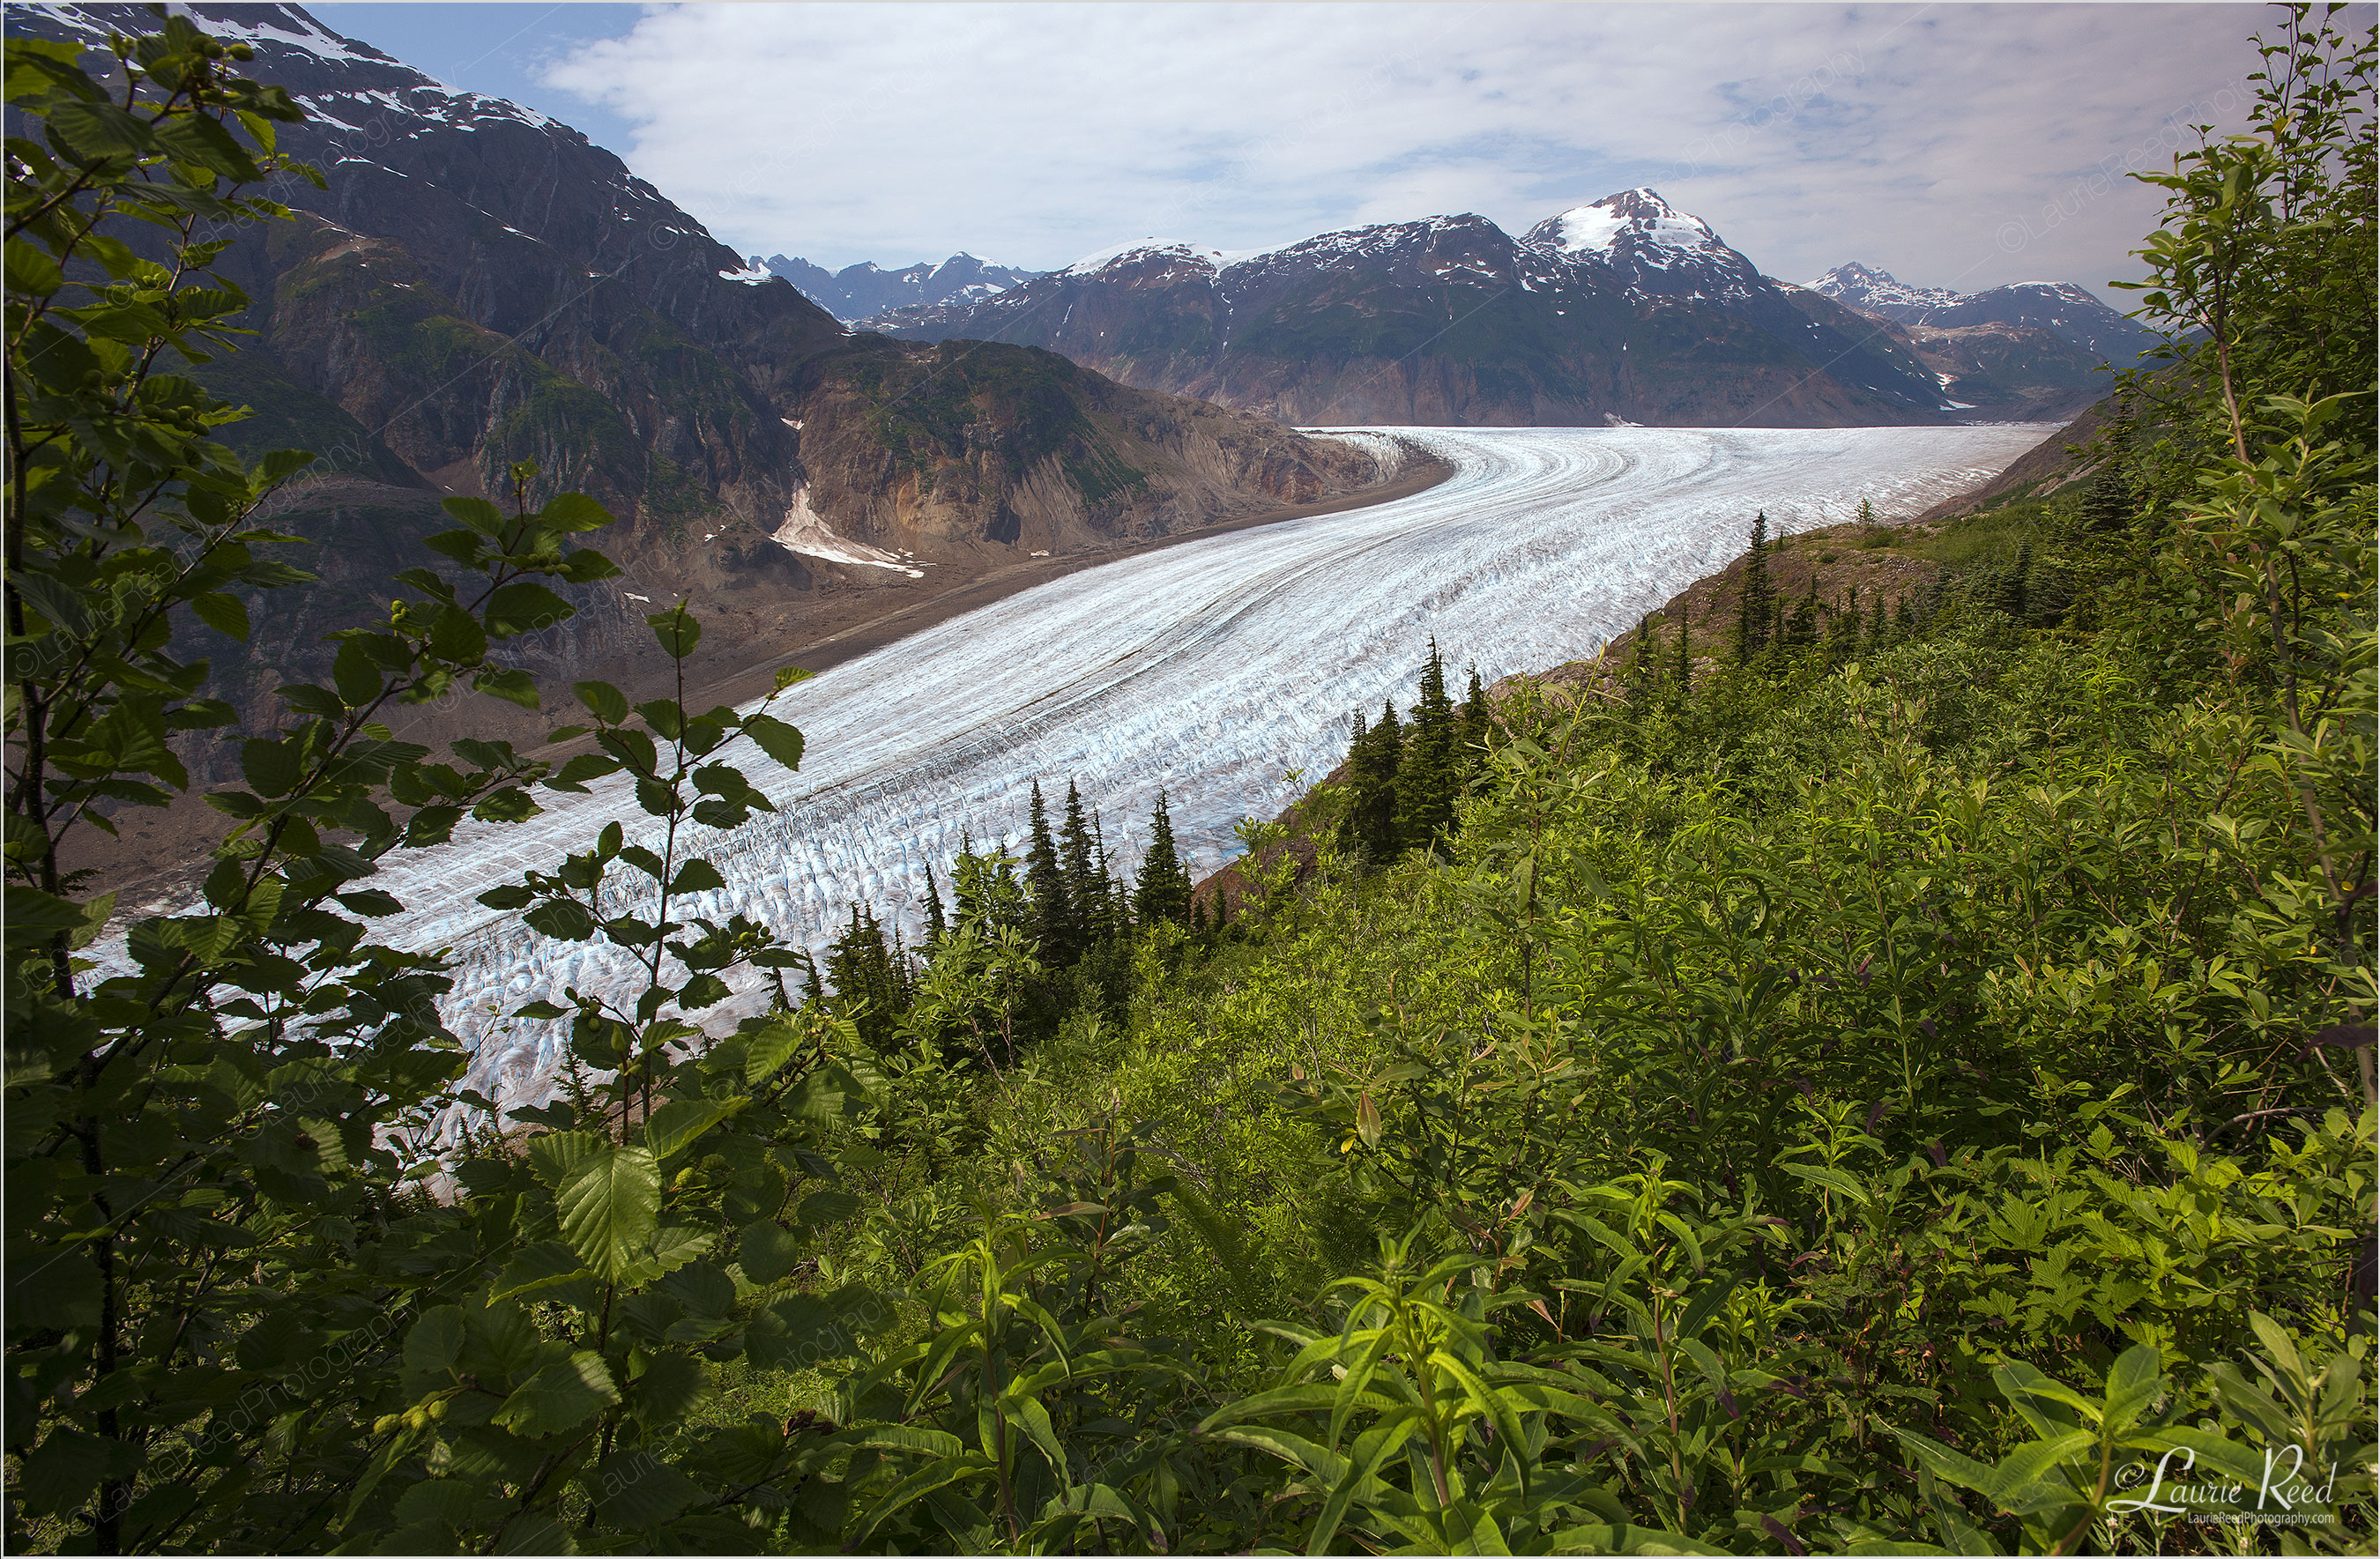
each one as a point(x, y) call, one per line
point(1225, 670)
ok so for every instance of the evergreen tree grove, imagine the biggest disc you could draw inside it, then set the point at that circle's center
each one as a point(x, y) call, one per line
point(1429, 773)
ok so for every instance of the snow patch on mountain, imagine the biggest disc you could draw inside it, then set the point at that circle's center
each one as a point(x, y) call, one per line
point(806, 532)
point(1595, 229)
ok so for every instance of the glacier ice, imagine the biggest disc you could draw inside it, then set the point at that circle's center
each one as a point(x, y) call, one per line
point(1210, 669)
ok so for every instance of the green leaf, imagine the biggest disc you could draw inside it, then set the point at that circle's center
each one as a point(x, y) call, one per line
point(478, 513)
point(63, 1470)
point(532, 1531)
point(34, 916)
point(797, 1333)
point(442, 1500)
point(779, 740)
point(830, 1205)
point(696, 875)
point(355, 674)
point(564, 920)
point(2132, 1385)
point(545, 1265)
point(436, 1341)
point(768, 1252)
point(635, 1490)
point(671, 1387)
point(787, 676)
point(1706, 1302)
point(610, 1208)
point(1833, 1179)
point(554, 1155)
point(677, 631)
point(573, 512)
point(49, 1288)
point(768, 1049)
point(562, 1396)
point(676, 1124)
point(513, 687)
point(605, 702)
point(224, 613)
point(525, 607)
point(32, 270)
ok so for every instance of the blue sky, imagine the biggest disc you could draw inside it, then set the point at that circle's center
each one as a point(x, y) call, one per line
point(1957, 145)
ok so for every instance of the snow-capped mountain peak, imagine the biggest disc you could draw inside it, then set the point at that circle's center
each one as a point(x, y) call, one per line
point(1151, 248)
point(1863, 286)
point(1649, 247)
point(1595, 229)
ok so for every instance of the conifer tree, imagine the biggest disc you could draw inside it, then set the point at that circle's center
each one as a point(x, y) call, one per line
point(1866, 515)
point(1049, 916)
point(1843, 630)
point(1085, 884)
point(1372, 762)
point(1474, 725)
point(1428, 773)
point(1756, 607)
point(1802, 628)
point(1682, 665)
point(1163, 892)
point(935, 924)
point(866, 988)
point(1878, 629)
point(1110, 919)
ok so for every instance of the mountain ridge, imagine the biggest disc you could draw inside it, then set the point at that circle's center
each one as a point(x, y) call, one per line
point(858, 292)
point(1622, 309)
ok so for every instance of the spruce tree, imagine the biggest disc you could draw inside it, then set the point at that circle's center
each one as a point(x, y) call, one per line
point(935, 925)
point(1428, 775)
point(1373, 760)
point(1802, 628)
point(1080, 862)
point(1682, 665)
point(1756, 608)
point(1049, 914)
point(1162, 891)
point(1879, 630)
point(1473, 726)
point(1111, 917)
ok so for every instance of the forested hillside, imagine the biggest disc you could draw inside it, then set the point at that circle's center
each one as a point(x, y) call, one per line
point(1850, 1081)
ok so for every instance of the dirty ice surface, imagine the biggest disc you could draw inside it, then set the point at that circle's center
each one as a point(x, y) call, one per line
point(1209, 669)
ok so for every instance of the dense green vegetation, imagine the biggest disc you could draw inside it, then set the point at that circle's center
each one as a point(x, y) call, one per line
point(1902, 1086)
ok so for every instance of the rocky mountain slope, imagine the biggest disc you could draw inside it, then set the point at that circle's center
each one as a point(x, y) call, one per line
point(479, 283)
point(856, 292)
point(1624, 310)
point(2031, 349)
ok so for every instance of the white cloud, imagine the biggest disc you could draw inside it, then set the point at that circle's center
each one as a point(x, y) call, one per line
point(1962, 146)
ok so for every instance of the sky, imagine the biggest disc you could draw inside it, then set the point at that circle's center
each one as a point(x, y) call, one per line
point(1962, 146)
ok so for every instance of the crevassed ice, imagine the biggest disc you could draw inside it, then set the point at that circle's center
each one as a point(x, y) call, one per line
point(1210, 671)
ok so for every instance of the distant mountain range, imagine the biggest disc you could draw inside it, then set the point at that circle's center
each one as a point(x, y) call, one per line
point(856, 291)
point(2032, 348)
point(1627, 309)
